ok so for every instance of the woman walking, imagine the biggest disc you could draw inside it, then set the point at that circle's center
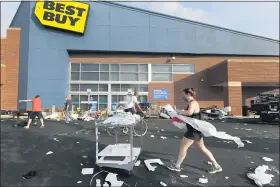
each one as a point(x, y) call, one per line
point(192, 135)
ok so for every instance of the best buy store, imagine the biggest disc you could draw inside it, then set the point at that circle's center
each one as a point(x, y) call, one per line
point(70, 47)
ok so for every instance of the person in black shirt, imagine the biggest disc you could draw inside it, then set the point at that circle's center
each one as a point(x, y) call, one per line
point(192, 135)
point(68, 109)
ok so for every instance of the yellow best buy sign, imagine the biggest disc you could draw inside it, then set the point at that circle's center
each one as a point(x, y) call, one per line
point(68, 15)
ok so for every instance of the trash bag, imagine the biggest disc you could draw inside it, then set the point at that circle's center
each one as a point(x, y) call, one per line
point(29, 174)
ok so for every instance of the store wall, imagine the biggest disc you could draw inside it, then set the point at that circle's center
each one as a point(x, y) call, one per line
point(113, 27)
point(10, 46)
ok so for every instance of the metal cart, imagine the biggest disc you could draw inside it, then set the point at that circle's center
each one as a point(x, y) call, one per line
point(110, 155)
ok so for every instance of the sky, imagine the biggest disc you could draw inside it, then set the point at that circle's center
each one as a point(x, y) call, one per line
point(258, 18)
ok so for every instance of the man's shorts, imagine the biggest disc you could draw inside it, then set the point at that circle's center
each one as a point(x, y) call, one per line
point(34, 114)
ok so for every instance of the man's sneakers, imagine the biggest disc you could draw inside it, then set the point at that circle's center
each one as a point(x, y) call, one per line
point(215, 169)
point(172, 166)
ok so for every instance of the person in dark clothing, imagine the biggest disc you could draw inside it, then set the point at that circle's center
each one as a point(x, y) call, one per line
point(192, 135)
point(68, 109)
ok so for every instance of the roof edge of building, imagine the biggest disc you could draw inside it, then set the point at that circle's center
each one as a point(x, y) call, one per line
point(190, 21)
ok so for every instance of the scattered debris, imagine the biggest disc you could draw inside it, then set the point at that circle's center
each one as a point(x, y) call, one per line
point(267, 159)
point(98, 183)
point(29, 174)
point(245, 124)
point(84, 156)
point(247, 141)
point(162, 130)
point(152, 161)
point(163, 137)
point(99, 133)
point(87, 171)
point(236, 128)
point(77, 142)
point(112, 178)
point(203, 180)
point(223, 121)
point(82, 164)
point(227, 141)
point(55, 139)
point(248, 129)
point(163, 184)
point(264, 131)
point(226, 177)
point(152, 136)
point(175, 136)
point(137, 163)
point(183, 176)
point(48, 153)
point(260, 177)
point(210, 163)
point(79, 182)
point(252, 162)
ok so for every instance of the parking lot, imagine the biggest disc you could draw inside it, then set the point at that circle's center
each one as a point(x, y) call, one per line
point(73, 147)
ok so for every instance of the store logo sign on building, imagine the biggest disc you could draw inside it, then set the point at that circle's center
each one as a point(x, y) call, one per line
point(70, 15)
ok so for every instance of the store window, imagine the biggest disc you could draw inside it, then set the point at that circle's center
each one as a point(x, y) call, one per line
point(74, 87)
point(129, 76)
point(183, 68)
point(90, 67)
point(114, 76)
point(93, 87)
point(162, 77)
point(75, 76)
point(115, 87)
point(104, 76)
point(103, 87)
point(129, 67)
point(143, 68)
point(104, 67)
point(161, 68)
point(90, 76)
point(75, 66)
point(114, 67)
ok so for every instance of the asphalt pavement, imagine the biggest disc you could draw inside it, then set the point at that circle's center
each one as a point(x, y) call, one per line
point(73, 147)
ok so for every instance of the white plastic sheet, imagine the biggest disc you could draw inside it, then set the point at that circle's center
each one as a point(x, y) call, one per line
point(260, 176)
point(206, 128)
point(124, 119)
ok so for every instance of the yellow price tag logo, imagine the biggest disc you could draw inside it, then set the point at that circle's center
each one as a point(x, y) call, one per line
point(70, 15)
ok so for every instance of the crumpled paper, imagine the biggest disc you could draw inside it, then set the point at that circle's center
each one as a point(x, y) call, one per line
point(206, 128)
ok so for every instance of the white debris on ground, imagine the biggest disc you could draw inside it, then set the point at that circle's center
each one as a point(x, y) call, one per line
point(163, 137)
point(84, 156)
point(52, 116)
point(152, 161)
point(260, 176)
point(203, 180)
point(264, 131)
point(77, 142)
point(48, 153)
point(183, 176)
point(210, 163)
point(236, 128)
point(227, 141)
point(245, 124)
point(162, 130)
point(81, 164)
point(79, 182)
point(252, 162)
point(87, 171)
point(55, 139)
point(266, 148)
point(112, 178)
point(248, 129)
point(162, 183)
point(175, 136)
point(137, 163)
point(247, 141)
point(267, 159)
point(223, 121)
point(152, 136)
point(98, 183)
point(226, 177)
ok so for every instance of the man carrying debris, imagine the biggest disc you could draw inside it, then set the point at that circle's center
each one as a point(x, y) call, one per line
point(68, 109)
point(36, 110)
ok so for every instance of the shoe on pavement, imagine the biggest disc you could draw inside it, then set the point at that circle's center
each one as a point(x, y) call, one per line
point(215, 169)
point(172, 166)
